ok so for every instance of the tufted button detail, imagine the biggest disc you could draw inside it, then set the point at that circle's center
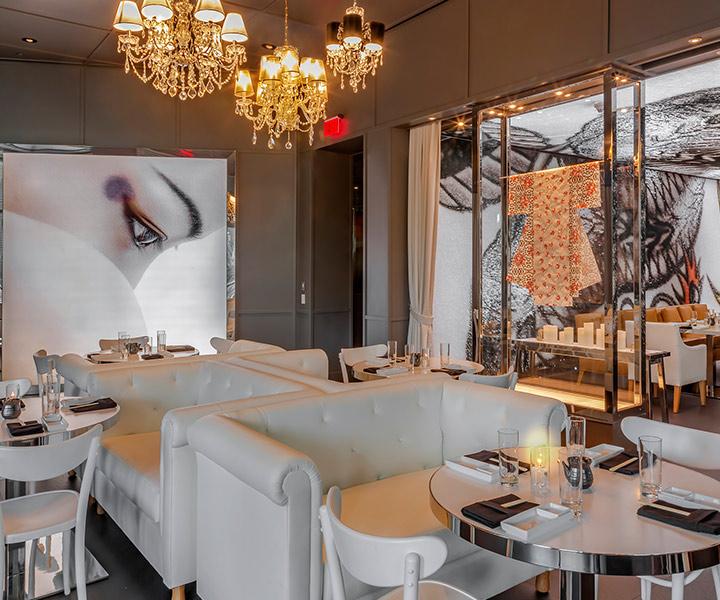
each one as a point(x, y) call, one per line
point(402, 439)
point(353, 450)
point(326, 419)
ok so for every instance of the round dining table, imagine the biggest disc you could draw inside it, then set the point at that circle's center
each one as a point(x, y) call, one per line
point(360, 370)
point(110, 357)
point(35, 573)
point(608, 538)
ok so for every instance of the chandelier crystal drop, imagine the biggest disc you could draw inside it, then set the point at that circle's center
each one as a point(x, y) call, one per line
point(291, 93)
point(354, 48)
point(183, 52)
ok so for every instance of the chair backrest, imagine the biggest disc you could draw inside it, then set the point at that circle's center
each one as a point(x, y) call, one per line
point(506, 380)
point(377, 561)
point(222, 345)
point(352, 356)
point(670, 314)
point(663, 336)
point(682, 445)
point(251, 346)
point(23, 382)
point(113, 344)
point(42, 361)
point(37, 463)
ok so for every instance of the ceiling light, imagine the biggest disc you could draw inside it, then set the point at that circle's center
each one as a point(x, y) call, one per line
point(520, 107)
point(431, 118)
point(291, 93)
point(623, 110)
point(461, 124)
point(268, 46)
point(568, 94)
point(29, 40)
point(182, 49)
point(695, 40)
point(558, 93)
point(512, 106)
point(354, 47)
point(492, 112)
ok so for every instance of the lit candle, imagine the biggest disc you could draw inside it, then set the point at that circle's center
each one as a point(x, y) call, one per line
point(539, 476)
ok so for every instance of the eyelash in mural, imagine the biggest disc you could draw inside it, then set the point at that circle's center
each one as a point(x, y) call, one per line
point(143, 231)
point(196, 223)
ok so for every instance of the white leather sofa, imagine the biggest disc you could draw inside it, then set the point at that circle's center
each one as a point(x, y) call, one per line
point(76, 369)
point(145, 477)
point(258, 521)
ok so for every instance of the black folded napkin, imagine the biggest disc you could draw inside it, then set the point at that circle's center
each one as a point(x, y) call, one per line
point(632, 469)
point(151, 356)
point(491, 456)
point(451, 372)
point(100, 404)
point(29, 428)
point(490, 512)
point(180, 348)
point(702, 520)
point(373, 369)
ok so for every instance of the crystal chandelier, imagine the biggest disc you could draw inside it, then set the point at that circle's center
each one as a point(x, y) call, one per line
point(180, 50)
point(291, 93)
point(354, 48)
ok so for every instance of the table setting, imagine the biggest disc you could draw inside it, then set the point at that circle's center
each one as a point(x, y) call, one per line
point(127, 349)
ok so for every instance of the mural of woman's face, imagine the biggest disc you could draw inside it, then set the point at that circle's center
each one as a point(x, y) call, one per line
point(129, 212)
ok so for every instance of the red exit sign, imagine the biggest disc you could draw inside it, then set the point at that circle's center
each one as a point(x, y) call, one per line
point(333, 126)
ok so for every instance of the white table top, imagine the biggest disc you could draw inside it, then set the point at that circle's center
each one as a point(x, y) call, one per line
point(360, 373)
point(114, 361)
point(77, 423)
point(609, 538)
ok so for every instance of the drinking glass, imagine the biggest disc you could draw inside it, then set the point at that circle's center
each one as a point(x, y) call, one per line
point(12, 390)
point(444, 354)
point(650, 455)
point(121, 336)
point(51, 387)
point(124, 339)
point(161, 340)
point(570, 475)
point(508, 456)
point(409, 351)
point(148, 345)
point(425, 358)
point(575, 435)
point(392, 352)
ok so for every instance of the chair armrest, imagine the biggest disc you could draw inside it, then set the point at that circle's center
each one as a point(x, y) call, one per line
point(265, 465)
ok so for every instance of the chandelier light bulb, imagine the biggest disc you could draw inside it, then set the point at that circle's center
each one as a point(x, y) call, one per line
point(127, 17)
point(209, 11)
point(354, 47)
point(156, 9)
point(243, 84)
point(234, 29)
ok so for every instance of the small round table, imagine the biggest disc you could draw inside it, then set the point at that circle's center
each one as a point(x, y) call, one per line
point(360, 372)
point(102, 357)
point(608, 539)
point(44, 581)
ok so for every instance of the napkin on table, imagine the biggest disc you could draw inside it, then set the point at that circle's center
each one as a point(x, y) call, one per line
point(29, 428)
point(485, 455)
point(100, 404)
point(451, 372)
point(490, 512)
point(702, 520)
point(632, 469)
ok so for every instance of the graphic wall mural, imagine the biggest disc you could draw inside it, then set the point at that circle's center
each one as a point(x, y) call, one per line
point(683, 204)
point(94, 245)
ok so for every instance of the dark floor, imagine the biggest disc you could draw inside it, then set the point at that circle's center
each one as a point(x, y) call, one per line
point(132, 577)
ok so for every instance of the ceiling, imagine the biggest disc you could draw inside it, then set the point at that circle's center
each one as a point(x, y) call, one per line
point(80, 31)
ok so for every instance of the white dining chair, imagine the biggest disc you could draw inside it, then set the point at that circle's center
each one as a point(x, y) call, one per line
point(23, 382)
point(687, 447)
point(46, 513)
point(381, 561)
point(112, 344)
point(349, 357)
point(221, 345)
point(685, 365)
point(506, 380)
point(42, 361)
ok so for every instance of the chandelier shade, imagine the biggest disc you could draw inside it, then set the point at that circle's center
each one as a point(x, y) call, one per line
point(354, 48)
point(291, 93)
point(182, 52)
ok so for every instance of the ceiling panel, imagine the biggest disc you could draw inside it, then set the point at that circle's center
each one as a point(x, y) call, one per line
point(107, 52)
point(27, 53)
point(96, 13)
point(53, 36)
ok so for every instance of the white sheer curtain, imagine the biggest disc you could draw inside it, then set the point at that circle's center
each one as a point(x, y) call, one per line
point(423, 198)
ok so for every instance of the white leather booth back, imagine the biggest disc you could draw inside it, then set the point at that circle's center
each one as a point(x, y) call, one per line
point(360, 435)
point(313, 362)
point(147, 392)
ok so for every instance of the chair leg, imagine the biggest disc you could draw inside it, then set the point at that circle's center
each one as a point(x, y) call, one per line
point(66, 562)
point(542, 582)
point(676, 398)
point(716, 580)
point(101, 511)
point(645, 589)
point(178, 593)
point(678, 586)
point(80, 578)
point(580, 377)
point(32, 561)
point(703, 392)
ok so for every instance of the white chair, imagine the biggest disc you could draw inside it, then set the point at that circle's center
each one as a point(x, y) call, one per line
point(221, 344)
point(113, 344)
point(685, 365)
point(42, 361)
point(381, 561)
point(691, 448)
point(23, 382)
point(352, 356)
point(506, 380)
point(47, 513)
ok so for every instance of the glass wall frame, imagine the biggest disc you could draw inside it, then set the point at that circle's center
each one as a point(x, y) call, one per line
point(622, 167)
